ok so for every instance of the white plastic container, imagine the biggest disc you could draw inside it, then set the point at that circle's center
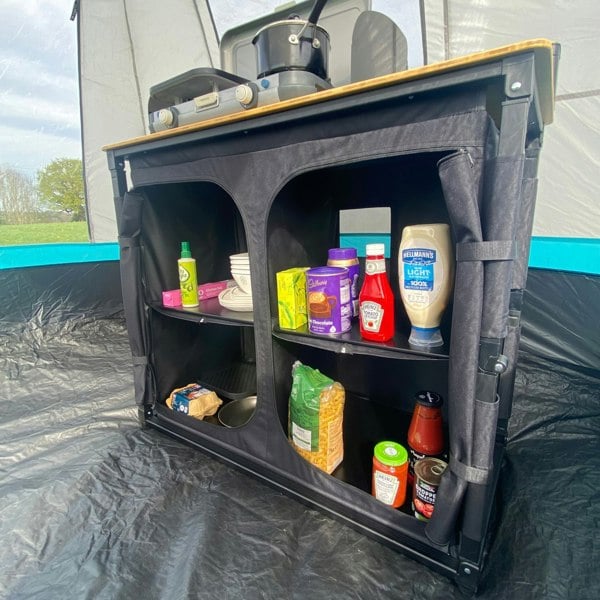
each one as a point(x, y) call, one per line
point(426, 274)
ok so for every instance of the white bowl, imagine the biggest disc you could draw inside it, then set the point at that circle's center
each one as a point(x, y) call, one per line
point(242, 256)
point(240, 263)
point(243, 281)
point(240, 270)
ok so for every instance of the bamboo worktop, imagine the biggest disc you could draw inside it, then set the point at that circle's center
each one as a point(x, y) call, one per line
point(543, 67)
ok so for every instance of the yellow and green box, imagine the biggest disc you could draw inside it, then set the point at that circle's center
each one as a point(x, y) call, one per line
point(291, 297)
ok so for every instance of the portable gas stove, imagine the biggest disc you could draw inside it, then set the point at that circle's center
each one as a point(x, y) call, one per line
point(206, 93)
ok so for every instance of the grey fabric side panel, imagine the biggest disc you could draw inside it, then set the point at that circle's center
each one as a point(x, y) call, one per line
point(523, 240)
point(461, 183)
point(501, 207)
point(507, 379)
point(133, 301)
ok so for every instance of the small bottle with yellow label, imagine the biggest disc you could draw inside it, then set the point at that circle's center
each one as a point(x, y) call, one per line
point(188, 280)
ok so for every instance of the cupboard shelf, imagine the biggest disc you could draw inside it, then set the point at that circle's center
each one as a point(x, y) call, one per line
point(351, 343)
point(209, 311)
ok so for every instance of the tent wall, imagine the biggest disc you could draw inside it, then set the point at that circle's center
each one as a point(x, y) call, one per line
point(125, 47)
point(569, 186)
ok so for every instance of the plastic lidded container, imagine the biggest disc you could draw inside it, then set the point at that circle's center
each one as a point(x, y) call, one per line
point(348, 258)
point(390, 472)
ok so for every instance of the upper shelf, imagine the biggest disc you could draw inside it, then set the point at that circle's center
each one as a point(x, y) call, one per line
point(209, 311)
point(544, 72)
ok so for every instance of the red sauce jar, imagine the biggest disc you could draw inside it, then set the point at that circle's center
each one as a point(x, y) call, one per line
point(390, 470)
point(426, 431)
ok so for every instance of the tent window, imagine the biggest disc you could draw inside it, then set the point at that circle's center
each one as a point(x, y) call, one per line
point(41, 178)
point(228, 14)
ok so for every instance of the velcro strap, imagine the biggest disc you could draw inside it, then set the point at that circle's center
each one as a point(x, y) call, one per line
point(470, 474)
point(494, 250)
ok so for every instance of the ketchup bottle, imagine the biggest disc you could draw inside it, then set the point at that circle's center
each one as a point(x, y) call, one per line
point(376, 299)
point(425, 434)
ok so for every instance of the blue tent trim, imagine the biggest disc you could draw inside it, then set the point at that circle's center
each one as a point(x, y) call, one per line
point(34, 255)
point(578, 255)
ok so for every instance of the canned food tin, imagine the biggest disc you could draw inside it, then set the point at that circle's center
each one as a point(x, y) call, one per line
point(328, 300)
point(428, 474)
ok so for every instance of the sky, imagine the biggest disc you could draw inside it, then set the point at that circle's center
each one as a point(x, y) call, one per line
point(39, 92)
point(39, 95)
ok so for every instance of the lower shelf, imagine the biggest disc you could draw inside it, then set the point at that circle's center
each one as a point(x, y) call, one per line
point(349, 505)
point(236, 381)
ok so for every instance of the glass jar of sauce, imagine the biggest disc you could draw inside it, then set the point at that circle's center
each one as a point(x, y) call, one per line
point(390, 470)
point(426, 432)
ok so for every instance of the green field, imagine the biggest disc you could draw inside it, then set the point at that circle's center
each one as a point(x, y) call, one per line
point(43, 233)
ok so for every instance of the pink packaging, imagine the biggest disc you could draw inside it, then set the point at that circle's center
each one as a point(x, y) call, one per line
point(172, 298)
point(211, 290)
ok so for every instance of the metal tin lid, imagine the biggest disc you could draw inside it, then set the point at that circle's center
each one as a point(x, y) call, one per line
point(341, 253)
point(391, 454)
point(429, 399)
point(430, 470)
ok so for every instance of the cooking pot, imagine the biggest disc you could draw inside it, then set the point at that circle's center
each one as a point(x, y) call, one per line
point(237, 412)
point(293, 45)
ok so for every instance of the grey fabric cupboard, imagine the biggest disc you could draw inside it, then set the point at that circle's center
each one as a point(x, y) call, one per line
point(456, 142)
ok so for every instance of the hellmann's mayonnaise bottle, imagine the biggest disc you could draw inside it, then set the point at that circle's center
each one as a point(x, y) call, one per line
point(426, 273)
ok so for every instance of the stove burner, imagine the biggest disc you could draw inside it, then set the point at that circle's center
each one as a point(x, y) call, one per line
point(169, 107)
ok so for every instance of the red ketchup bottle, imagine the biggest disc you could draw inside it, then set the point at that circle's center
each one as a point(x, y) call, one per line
point(426, 433)
point(376, 299)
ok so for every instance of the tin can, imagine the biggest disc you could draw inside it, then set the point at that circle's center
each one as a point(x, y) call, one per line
point(390, 471)
point(428, 474)
point(347, 258)
point(328, 300)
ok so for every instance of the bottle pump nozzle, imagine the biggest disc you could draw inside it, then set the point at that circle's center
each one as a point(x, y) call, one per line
point(185, 250)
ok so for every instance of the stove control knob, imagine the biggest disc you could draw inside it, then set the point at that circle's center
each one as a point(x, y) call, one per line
point(244, 94)
point(166, 117)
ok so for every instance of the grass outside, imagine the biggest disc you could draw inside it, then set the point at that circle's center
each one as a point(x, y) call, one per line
point(44, 233)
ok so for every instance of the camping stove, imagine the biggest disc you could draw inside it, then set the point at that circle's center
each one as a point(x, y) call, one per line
point(229, 94)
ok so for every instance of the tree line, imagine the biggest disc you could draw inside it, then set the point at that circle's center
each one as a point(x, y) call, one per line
point(56, 191)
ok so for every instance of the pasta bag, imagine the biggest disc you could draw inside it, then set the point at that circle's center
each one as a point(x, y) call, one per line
point(316, 417)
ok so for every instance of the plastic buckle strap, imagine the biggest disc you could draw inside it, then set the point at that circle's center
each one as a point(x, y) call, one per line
point(476, 475)
point(479, 251)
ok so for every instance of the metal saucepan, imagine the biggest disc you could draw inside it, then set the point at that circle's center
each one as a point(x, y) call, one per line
point(237, 412)
point(293, 45)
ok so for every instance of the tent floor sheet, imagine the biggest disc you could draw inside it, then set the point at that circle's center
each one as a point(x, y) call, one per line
point(92, 506)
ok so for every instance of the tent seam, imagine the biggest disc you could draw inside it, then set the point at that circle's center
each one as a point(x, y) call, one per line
point(133, 64)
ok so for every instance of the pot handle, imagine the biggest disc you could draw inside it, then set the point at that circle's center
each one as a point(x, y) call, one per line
point(315, 11)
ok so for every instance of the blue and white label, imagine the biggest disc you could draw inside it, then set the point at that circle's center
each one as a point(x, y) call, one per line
point(181, 403)
point(418, 268)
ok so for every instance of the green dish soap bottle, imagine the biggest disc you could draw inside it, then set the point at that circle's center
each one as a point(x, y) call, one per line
point(188, 279)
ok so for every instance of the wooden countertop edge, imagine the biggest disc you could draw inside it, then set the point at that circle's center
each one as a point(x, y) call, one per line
point(544, 73)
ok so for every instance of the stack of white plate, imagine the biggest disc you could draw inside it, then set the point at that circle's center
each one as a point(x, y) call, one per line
point(238, 297)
